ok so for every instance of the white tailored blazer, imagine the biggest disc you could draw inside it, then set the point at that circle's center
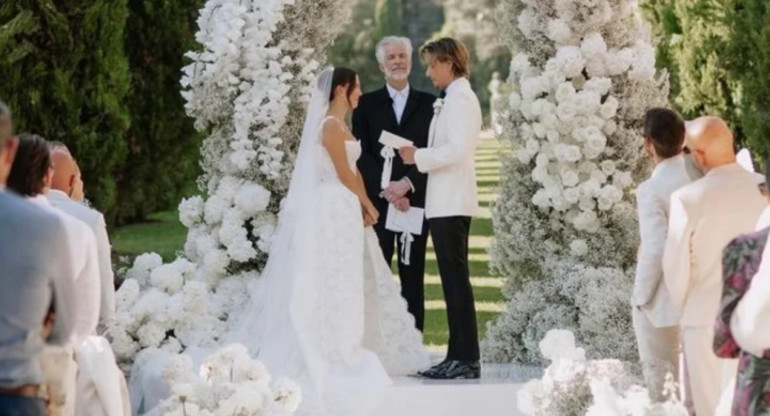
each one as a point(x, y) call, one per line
point(705, 216)
point(449, 158)
point(653, 198)
point(95, 220)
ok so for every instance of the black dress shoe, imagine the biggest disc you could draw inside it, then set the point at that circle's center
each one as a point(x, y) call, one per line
point(435, 370)
point(459, 370)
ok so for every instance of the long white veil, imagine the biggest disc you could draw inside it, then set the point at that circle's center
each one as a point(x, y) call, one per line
point(269, 326)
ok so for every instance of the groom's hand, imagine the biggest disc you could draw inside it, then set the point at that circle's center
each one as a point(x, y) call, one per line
point(407, 154)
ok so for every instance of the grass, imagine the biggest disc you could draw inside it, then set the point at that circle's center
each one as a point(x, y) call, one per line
point(163, 234)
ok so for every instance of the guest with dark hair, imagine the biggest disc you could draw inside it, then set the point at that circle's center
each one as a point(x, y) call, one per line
point(31, 177)
point(655, 318)
point(37, 274)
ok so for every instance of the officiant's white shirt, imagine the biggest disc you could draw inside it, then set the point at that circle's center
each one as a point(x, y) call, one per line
point(653, 198)
point(449, 159)
point(705, 216)
point(82, 245)
point(95, 220)
point(399, 100)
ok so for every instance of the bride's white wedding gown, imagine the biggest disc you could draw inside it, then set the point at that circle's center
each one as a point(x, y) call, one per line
point(344, 327)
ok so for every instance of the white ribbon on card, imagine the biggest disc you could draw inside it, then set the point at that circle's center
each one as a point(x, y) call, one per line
point(387, 153)
point(406, 247)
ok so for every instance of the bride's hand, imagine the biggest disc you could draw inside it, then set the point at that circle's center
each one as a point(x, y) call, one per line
point(372, 212)
point(368, 220)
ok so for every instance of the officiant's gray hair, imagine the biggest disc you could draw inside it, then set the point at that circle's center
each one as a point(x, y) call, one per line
point(392, 40)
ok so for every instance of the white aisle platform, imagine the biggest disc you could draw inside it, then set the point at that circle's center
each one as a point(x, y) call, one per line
point(492, 395)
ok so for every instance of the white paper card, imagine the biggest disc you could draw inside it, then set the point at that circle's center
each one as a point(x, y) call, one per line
point(409, 221)
point(389, 139)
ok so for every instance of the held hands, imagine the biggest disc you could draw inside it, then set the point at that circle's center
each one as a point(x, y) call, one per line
point(397, 190)
point(407, 154)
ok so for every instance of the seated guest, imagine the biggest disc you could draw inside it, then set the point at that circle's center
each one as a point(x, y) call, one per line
point(36, 278)
point(704, 216)
point(66, 184)
point(742, 328)
point(31, 177)
point(655, 318)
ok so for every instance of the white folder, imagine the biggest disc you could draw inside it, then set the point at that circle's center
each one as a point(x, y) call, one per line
point(409, 221)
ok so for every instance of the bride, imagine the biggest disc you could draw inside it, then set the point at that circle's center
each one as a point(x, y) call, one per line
point(326, 310)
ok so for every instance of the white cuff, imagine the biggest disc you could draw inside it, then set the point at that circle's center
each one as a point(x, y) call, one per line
point(409, 181)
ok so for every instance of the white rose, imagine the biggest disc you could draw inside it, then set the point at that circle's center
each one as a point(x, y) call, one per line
point(553, 136)
point(578, 248)
point(565, 92)
point(572, 195)
point(569, 178)
point(608, 167)
point(570, 60)
point(593, 45)
point(599, 85)
point(609, 108)
point(559, 31)
point(566, 111)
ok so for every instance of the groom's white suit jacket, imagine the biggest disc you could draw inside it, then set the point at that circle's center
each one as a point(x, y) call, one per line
point(705, 216)
point(449, 158)
point(653, 198)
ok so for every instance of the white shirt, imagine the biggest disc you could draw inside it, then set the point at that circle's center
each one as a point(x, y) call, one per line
point(87, 285)
point(399, 100)
point(95, 220)
point(653, 198)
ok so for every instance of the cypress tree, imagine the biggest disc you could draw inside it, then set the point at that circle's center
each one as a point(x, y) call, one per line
point(65, 76)
point(162, 145)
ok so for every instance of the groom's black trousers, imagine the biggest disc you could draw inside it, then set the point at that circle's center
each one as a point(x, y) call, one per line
point(412, 276)
point(450, 241)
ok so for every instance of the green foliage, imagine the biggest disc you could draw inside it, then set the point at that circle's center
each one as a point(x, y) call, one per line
point(748, 60)
point(162, 145)
point(718, 55)
point(388, 18)
point(65, 76)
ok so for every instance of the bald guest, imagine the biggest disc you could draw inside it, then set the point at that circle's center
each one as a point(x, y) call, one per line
point(65, 193)
point(704, 217)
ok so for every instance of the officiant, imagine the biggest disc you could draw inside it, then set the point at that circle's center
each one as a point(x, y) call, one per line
point(399, 109)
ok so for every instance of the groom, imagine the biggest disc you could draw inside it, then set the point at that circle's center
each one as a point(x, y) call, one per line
point(451, 198)
point(406, 112)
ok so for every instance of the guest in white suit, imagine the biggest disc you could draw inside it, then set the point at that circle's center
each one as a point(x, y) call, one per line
point(704, 217)
point(64, 185)
point(655, 318)
point(30, 177)
point(451, 198)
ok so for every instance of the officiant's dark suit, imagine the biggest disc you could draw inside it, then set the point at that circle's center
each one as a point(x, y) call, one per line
point(374, 114)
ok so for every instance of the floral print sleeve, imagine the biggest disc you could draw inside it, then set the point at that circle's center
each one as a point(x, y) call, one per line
point(740, 262)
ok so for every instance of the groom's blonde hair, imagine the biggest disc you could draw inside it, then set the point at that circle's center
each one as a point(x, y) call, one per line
point(448, 50)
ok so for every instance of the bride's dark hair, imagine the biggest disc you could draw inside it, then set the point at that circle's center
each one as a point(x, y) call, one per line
point(345, 77)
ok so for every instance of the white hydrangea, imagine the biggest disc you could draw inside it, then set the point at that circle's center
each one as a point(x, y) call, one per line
point(143, 264)
point(191, 211)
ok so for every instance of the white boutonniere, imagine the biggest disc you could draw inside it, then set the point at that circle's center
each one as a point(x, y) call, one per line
point(438, 105)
